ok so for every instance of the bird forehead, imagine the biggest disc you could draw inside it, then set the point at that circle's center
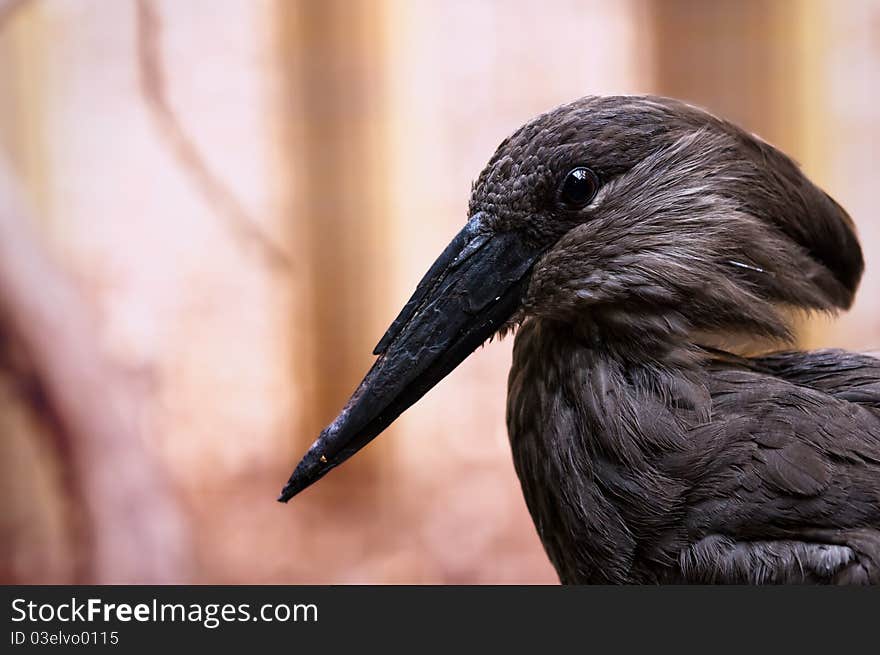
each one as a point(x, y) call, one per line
point(609, 134)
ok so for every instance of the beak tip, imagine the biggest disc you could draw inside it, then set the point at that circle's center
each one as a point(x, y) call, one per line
point(311, 468)
point(292, 488)
point(287, 493)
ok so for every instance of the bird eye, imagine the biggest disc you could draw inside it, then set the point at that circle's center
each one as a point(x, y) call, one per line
point(579, 187)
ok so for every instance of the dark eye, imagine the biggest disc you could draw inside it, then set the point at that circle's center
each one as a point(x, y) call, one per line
point(579, 187)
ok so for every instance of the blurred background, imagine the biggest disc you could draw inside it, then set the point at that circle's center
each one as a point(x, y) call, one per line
point(210, 211)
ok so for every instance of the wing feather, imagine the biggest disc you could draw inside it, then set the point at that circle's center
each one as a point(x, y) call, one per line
point(795, 444)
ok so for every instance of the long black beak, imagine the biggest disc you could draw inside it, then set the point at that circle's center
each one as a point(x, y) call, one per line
point(470, 291)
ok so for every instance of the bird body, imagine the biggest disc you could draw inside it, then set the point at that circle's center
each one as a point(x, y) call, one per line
point(700, 469)
point(622, 236)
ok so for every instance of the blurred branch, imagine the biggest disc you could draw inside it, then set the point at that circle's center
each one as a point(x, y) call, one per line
point(212, 188)
point(135, 529)
point(8, 9)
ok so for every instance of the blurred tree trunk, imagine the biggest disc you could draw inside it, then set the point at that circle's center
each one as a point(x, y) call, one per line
point(334, 51)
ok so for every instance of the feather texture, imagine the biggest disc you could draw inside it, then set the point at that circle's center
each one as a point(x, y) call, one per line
point(724, 470)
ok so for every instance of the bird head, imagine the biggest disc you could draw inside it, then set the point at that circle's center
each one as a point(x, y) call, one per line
point(639, 218)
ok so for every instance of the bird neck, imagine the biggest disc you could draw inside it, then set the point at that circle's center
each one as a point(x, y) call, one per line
point(651, 342)
point(587, 420)
point(608, 378)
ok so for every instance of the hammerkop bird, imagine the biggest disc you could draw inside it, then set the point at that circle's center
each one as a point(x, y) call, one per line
point(626, 238)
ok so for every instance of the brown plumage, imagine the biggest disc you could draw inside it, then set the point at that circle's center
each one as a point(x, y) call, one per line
point(623, 236)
